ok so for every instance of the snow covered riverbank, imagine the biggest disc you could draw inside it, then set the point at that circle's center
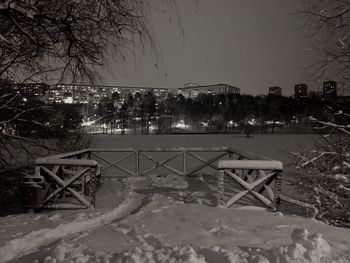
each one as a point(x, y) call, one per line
point(166, 229)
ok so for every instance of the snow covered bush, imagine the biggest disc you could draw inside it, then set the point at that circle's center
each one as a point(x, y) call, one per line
point(324, 177)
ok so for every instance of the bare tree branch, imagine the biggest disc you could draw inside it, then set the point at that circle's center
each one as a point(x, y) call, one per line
point(328, 26)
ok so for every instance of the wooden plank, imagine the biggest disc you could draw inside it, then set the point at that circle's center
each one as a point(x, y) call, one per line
point(234, 199)
point(262, 199)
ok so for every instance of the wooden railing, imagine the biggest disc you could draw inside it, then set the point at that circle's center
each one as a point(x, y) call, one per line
point(75, 175)
point(132, 162)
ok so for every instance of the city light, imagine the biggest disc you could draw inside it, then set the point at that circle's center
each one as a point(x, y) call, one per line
point(180, 124)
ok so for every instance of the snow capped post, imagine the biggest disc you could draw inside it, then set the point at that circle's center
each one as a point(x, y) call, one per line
point(68, 178)
point(255, 176)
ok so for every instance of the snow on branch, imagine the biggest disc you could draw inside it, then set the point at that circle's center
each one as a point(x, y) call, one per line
point(339, 127)
point(312, 160)
point(16, 117)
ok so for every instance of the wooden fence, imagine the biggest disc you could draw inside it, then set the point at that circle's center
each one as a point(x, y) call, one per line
point(71, 178)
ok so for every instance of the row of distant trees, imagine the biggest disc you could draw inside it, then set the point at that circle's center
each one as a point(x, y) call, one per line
point(219, 113)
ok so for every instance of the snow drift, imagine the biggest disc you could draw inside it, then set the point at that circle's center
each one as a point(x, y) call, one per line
point(305, 248)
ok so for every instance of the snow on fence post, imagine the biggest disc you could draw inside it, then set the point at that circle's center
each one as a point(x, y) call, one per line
point(221, 188)
point(278, 188)
point(93, 185)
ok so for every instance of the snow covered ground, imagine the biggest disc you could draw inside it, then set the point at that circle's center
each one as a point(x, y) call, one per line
point(146, 226)
point(167, 219)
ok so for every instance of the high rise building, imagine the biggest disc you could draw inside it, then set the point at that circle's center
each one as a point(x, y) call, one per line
point(277, 91)
point(329, 90)
point(300, 90)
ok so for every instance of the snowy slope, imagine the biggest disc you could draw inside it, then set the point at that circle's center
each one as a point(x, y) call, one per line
point(157, 227)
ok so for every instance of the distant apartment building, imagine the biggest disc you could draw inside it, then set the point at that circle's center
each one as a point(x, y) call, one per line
point(192, 90)
point(300, 90)
point(277, 91)
point(82, 94)
point(26, 90)
point(329, 90)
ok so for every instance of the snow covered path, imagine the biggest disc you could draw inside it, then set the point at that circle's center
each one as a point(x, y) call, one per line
point(32, 241)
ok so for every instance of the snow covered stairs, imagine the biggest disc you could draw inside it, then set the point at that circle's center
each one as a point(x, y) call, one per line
point(254, 177)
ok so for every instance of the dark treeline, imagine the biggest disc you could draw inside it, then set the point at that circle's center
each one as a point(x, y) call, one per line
point(207, 113)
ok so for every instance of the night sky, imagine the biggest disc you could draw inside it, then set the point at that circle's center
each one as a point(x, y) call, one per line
point(251, 44)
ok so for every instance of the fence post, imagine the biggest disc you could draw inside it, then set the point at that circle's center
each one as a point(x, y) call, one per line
point(37, 170)
point(221, 188)
point(185, 162)
point(92, 186)
point(137, 162)
point(278, 186)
